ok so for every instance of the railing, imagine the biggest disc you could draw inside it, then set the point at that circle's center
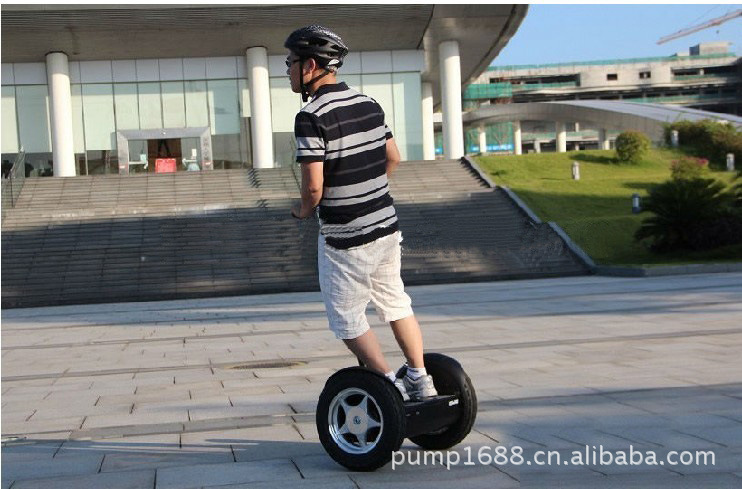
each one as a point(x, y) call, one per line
point(488, 90)
point(480, 91)
point(612, 62)
point(12, 185)
point(586, 134)
point(721, 77)
point(542, 86)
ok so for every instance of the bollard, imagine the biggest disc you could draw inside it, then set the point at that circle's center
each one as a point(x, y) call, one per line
point(575, 170)
point(730, 161)
point(674, 139)
point(636, 204)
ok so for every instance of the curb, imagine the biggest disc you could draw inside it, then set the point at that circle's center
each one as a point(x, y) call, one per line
point(466, 160)
point(662, 271)
point(574, 247)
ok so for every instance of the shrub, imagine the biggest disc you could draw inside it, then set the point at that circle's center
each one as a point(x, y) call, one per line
point(708, 139)
point(693, 214)
point(631, 146)
point(688, 168)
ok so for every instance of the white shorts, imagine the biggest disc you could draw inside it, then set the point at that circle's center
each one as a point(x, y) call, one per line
point(350, 278)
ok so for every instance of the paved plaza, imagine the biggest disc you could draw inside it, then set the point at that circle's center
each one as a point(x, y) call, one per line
point(221, 392)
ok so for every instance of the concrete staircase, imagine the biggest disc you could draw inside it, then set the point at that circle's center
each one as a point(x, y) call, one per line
point(153, 237)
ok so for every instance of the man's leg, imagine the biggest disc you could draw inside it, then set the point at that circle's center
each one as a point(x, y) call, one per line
point(410, 340)
point(366, 347)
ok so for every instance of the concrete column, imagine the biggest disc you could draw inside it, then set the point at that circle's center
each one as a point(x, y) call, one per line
point(517, 138)
point(60, 114)
point(561, 137)
point(260, 107)
point(428, 127)
point(453, 126)
point(603, 139)
point(482, 139)
point(537, 146)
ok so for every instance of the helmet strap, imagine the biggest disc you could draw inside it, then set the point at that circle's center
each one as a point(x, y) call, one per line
point(305, 86)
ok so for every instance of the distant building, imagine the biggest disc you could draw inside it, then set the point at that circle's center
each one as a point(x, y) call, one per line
point(707, 77)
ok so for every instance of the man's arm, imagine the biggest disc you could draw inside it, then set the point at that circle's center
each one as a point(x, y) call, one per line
point(392, 156)
point(312, 180)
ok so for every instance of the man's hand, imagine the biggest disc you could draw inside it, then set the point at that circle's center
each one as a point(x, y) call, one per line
point(299, 212)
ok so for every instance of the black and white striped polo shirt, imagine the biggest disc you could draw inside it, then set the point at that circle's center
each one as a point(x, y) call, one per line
point(345, 130)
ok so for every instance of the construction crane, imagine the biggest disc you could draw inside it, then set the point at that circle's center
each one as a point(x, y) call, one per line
point(705, 25)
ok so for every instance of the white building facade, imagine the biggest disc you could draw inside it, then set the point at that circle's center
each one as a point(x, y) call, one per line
point(125, 103)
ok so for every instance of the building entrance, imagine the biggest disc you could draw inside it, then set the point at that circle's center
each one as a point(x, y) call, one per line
point(164, 150)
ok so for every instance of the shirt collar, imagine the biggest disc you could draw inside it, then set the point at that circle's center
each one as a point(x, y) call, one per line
point(329, 88)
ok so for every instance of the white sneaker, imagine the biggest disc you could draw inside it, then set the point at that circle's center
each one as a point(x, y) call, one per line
point(420, 388)
point(400, 385)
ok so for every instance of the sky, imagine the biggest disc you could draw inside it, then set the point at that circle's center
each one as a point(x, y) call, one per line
point(564, 33)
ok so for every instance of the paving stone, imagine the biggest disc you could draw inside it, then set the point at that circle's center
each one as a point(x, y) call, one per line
point(330, 483)
point(140, 461)
point(252, 444)
point(79, 465)
point(210, 475)
point(118, 480)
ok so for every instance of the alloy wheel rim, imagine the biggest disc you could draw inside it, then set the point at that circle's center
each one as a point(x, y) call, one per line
point(355, 421)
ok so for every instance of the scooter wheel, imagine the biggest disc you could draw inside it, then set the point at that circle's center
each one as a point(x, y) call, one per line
point(360, 419)
point(449, 378)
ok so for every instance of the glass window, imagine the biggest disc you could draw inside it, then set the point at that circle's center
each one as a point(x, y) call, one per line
point(244, 98)
point(98, 117)
point(197, 107)
point(191, 155)
point(226, 151)
point(284, 106)
point(10, 128)
point(150, 106)
point(101, 162)
point(173, 104)
point(39, 164)
point(8, 159)
point(32, 105)
point(138, 156)
point(223, 107)
point(408, 117)
point(379, 88)
point(81, 165)
point(353, 81)
point(78, 127)
point(127, 106)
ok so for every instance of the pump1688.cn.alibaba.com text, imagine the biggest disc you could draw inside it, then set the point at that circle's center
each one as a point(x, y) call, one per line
point(591, 455)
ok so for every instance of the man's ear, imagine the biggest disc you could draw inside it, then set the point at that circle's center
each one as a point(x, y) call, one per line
point(309, 66)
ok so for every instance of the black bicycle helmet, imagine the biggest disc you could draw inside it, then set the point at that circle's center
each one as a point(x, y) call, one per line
point(320, 44)
point(317, 42)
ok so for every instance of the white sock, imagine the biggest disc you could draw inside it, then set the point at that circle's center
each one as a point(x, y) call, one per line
point(416, 373)
point(391, 376)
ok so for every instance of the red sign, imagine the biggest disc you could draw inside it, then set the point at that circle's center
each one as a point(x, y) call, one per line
point(165, 165)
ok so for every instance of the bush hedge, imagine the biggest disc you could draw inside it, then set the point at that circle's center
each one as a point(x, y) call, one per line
point(708, 139)
point(631, 146)
point(688, 168)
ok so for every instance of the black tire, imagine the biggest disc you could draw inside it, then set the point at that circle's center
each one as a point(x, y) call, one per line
point(449, 378)
point(383, 401)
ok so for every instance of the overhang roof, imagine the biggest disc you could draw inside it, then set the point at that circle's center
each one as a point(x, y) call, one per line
point(94, 32)
point(609, 114)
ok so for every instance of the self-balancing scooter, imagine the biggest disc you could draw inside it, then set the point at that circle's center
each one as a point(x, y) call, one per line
point(362, 419)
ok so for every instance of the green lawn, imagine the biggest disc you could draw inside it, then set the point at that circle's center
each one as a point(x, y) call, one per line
point(596, 210)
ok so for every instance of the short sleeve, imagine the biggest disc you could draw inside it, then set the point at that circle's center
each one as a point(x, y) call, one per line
point(389, 134)
point(310, 143)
